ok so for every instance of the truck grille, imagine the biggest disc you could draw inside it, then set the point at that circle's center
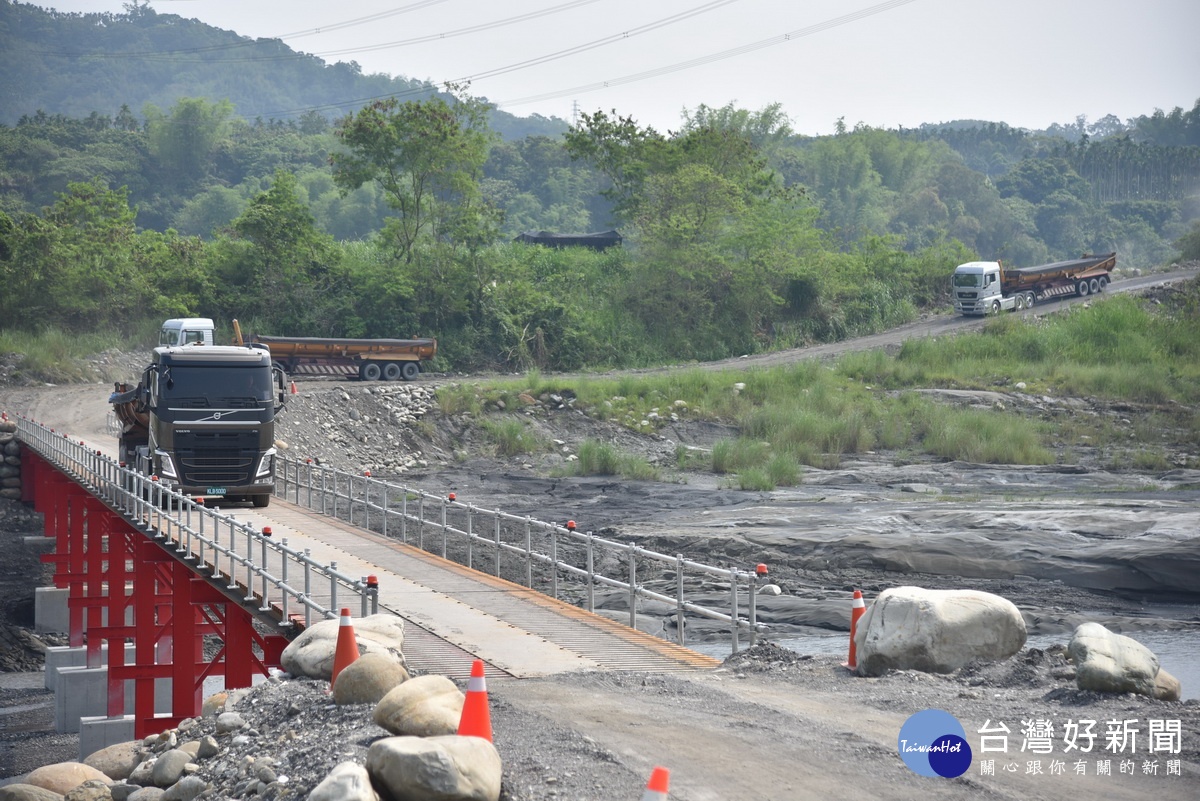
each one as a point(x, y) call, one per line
point(218, 458)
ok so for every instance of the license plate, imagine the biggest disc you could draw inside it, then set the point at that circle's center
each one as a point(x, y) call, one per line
point(215, 491)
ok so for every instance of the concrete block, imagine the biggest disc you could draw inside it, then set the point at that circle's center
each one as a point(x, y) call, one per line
point(39, 544)
point(59, 657)
point(100, 732)
point(50, 609)
point(82, 692)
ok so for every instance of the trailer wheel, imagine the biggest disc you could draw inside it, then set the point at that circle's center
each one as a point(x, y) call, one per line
point(392, 371)
point(370, 371)
point(1029, 300)
point(410, 371)
point(1094, 286)
point(1082, 289)
point(1102, 282)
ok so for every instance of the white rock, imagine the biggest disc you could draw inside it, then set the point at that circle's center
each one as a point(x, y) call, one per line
point(450, 768)
point(936, 631)
point(312, 653)
point(349, 781)
point(368, 679)
point(424, 706)
point(1111, 663)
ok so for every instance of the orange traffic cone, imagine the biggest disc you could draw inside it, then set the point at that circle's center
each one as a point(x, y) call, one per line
point(293, 387)
point(857, 608)
point(476, 720)
point(657, 787)
point(347, 646)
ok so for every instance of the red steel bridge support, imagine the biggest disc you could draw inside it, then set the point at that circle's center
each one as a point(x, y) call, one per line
point(125, 586)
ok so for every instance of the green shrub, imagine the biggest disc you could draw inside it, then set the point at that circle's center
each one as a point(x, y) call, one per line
point(511, 437)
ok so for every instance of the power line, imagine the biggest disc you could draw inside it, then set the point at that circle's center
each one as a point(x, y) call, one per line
point(714, 57)
point(650, 26)
point(800, 33)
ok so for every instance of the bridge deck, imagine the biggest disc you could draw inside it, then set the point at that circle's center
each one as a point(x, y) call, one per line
point(454, 613)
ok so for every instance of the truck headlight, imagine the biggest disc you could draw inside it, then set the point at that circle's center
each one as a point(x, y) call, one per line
point(166, 466)
point(266, 465)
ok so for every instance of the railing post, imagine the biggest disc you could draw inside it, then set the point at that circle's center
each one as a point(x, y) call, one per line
point(528, 554)
point(283, 577)
point(404, 514)
point(733, 608)
point(633, 587)
point(680, 633)
point(753, 613)
point(591, 576)
point(333, 602)
point(265, 603)
point(470, 536)
point(497, 544)
point(444, 533)
point(308, 585)
point(554, 561)
point(421, 521)
point(385, 493)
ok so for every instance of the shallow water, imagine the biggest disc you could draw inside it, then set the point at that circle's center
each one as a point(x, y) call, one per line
point(1177, 651)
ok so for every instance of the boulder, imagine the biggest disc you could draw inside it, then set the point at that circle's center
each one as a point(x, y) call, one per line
point(1167, 687)
point(426, 706)
point(449, 768)
point(147, 794)
point(63, 777)
point(1107, 662)
point(936, 631)
point(91, 790)
point(185, 789)
point(312, 653)
point(116, 761)
point(349, 781)
point(368, 679)
point(214, 705)
point(168, 769)
point(28, 792)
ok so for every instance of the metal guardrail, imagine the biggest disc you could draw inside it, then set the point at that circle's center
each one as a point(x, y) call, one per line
point(216, 543)
point(437, 523)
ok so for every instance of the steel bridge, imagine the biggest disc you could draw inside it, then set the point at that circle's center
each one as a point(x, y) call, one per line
point(146, 566)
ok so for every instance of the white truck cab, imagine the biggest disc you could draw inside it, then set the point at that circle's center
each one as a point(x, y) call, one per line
point(977, 288)
point(186, 331)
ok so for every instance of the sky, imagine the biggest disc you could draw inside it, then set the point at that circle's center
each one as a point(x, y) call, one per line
point(882, 63)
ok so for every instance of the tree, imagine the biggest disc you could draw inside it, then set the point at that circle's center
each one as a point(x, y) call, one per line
point(427, 156)
point(278, 267)
point(183, 141)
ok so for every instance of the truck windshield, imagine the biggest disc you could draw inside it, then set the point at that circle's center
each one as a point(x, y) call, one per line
point(216, 384)
point(967, 279)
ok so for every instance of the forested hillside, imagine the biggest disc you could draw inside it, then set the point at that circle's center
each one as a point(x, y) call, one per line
point(129, 194)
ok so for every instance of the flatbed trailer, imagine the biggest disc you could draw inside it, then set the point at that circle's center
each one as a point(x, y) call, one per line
point(988, 287)
point(369, 359)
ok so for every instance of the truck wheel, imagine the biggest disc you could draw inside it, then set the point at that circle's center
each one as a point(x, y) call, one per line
point(1019, 302)
point(391, 371)
point(1082, 289)
point(370, 371)
point(995, 307)
point(410, 371)
point(1029, 300)
point(262, 501)
point(1094, 286)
